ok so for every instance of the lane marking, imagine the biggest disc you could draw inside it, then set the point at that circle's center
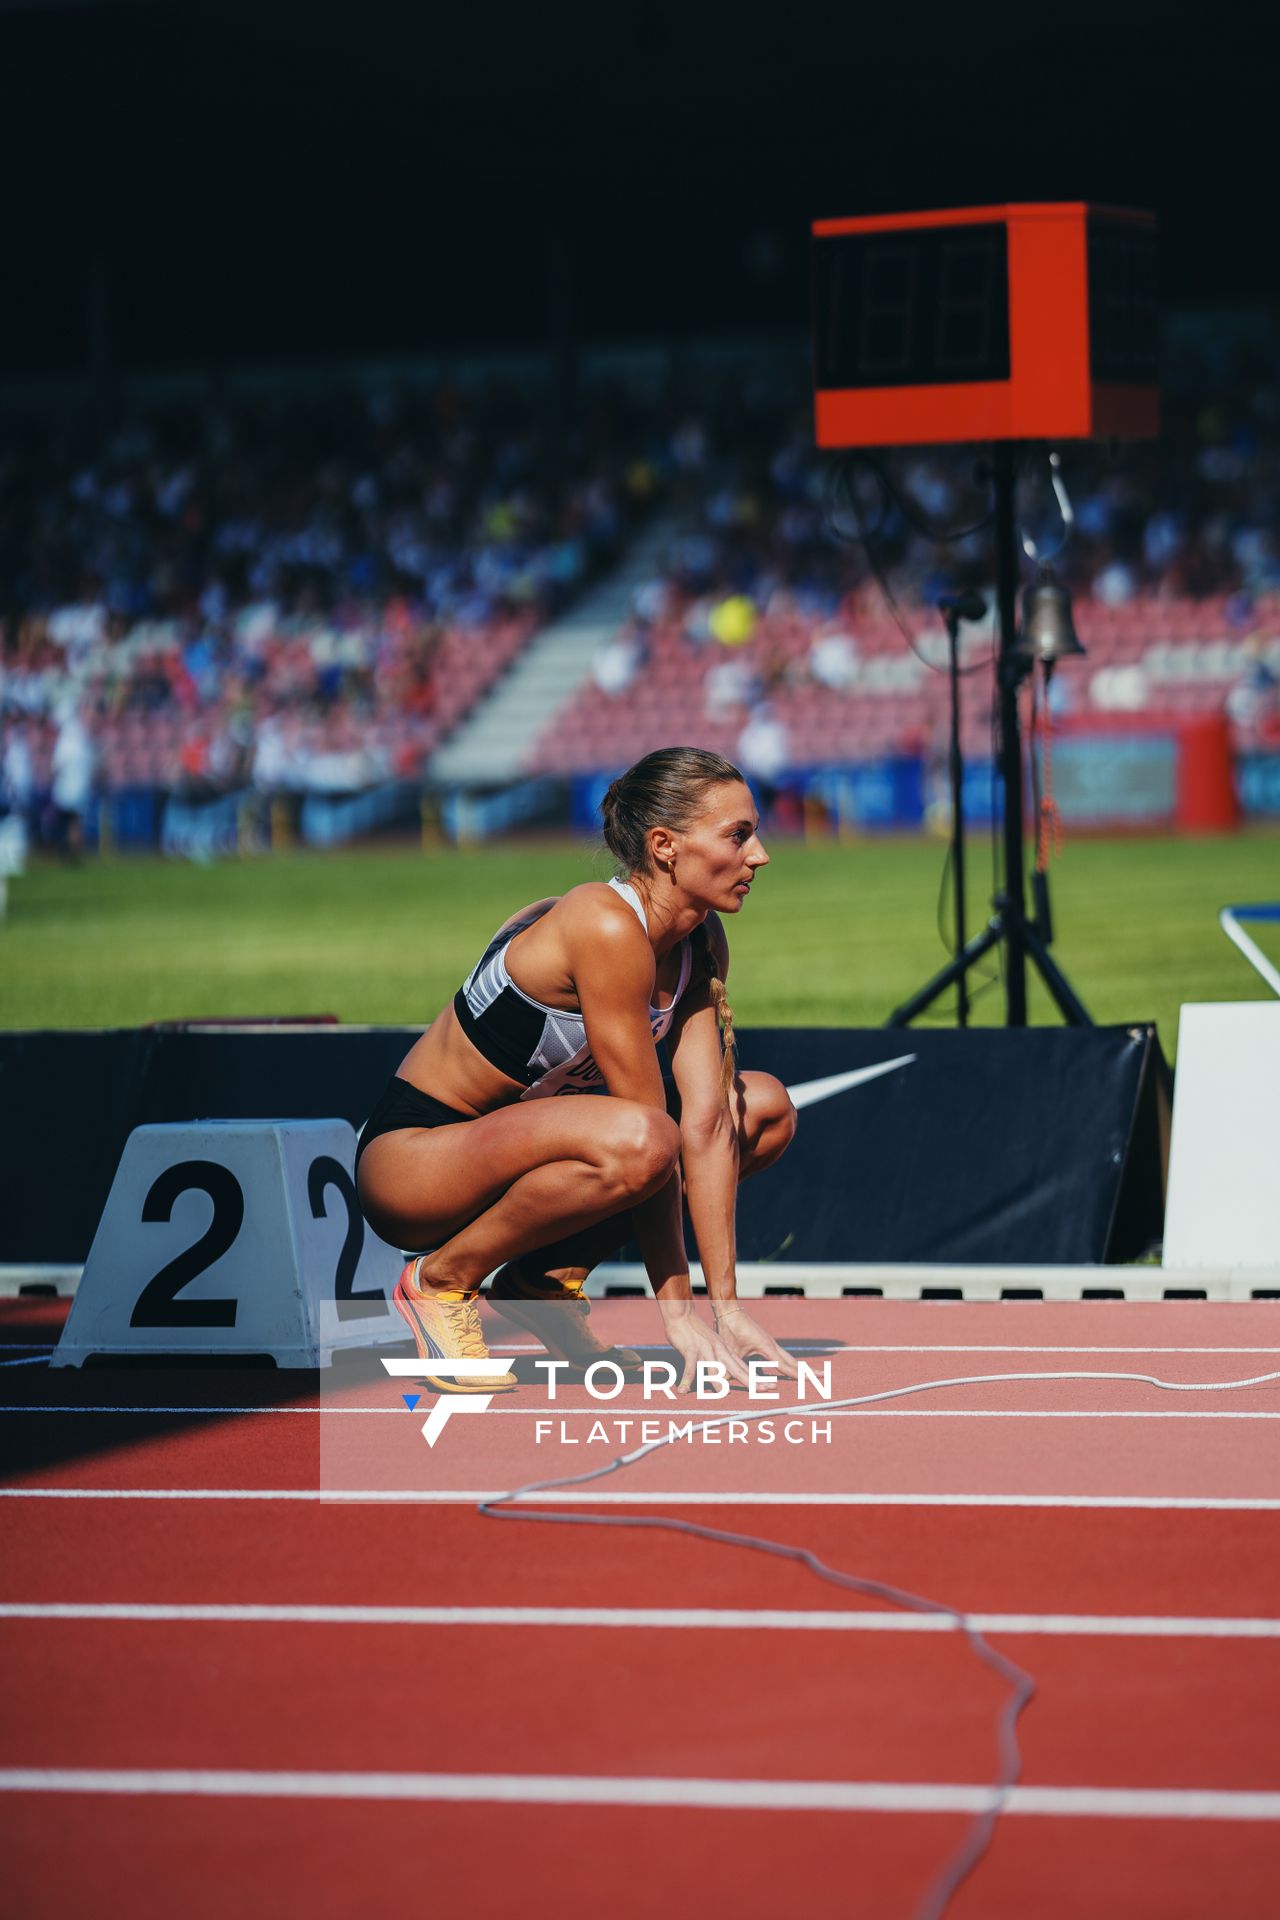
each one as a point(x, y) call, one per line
point(6, 1412)
point(471, 1496)
point(614, 1410)
point(763, 1796)
point(750, 1619)
point(1152, 1352)
point(816, 1346)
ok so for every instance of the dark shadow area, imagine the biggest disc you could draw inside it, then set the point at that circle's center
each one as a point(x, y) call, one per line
point(144, 1403)
point(194, 1388)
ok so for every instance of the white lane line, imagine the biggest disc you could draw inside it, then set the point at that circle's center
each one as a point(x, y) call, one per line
point(470, 1496)
point(820, 1348)
point(750, 1619)
point(763, 1796)
point(31, 1360)
point(614, 1410)
point(816, 1346)
point(195, 1408)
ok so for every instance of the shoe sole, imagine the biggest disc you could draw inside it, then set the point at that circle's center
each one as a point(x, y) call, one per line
point(428, 1350)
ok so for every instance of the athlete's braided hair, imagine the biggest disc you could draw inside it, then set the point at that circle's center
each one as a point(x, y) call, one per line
point(667, 789)
point(724, 1014)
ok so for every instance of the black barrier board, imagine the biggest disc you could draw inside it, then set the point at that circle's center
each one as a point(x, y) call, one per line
point(1032, 1146)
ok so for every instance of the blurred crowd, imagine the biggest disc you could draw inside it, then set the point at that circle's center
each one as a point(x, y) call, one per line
point(287, 595)
point(1194, 515)
point(779, 535)
point(306, 596)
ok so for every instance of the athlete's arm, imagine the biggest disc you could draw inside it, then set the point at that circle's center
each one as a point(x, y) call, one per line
point(614, 971)
point(710, 1145)
point(708, 1126)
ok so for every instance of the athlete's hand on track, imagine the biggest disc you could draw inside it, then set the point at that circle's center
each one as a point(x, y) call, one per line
point(747, 1341)
point(693, 1341)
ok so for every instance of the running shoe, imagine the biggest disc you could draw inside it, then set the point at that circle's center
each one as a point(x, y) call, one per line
point(558, 1316)
point(446, 1326)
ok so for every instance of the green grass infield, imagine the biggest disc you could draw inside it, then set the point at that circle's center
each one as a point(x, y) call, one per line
point(834, 935)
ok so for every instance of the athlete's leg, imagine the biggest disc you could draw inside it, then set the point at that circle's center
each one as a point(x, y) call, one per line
point(766, 1127)
point(502, 1184)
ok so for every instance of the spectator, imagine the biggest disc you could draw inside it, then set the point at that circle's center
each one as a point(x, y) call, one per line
point(1253, 703)
point(833, 661)
point(73, 769)
point(729, 686)
point(618, 662)
point(18, 773)
point(764, 752)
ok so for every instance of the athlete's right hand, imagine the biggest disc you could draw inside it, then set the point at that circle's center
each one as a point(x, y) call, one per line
point(693, 1341)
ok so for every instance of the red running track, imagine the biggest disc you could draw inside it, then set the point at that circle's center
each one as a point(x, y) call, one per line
point(551, 1703)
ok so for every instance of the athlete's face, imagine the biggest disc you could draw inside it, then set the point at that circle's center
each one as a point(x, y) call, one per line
point(719, 853)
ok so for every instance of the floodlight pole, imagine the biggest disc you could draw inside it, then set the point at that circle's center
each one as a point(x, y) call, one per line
point(1008, 926)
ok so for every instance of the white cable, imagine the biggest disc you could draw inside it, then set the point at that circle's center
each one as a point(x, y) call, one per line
point(1022, 1686)
point(772, 1411)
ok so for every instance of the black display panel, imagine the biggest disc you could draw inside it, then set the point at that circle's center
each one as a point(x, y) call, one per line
point(926, 307)
point(1123, 329)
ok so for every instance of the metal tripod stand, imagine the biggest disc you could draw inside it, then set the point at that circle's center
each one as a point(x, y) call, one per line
point(1022, 939)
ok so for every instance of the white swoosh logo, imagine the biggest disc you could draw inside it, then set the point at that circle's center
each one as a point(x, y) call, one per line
point(808, 1091)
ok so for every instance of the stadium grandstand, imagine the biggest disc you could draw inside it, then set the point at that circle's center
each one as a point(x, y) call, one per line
point(233, 619)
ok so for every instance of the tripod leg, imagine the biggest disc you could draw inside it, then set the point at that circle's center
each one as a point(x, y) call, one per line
point(1071, 1008)
point(953, 971)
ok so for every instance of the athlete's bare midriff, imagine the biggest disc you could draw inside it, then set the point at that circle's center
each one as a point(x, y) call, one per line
point(446, 1065)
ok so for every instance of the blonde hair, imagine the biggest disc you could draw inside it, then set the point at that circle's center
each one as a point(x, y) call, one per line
point(667, 789)
point(724, 1016)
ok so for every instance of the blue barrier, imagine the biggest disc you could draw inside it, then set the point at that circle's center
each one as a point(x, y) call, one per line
point(875, 796)
point(205, 829)
point(329, 820)
point(1258, 784)
point(132, 815)
point(885, 795)
point(479, 816)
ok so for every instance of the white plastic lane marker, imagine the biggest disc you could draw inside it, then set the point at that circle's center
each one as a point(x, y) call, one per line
point(763, 1796)
point(749, 1619)
point(657, 1497)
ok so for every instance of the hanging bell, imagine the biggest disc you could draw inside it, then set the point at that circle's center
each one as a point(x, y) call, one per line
point(1047, 632)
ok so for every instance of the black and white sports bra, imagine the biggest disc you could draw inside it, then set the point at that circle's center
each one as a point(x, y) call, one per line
point(544, 1047)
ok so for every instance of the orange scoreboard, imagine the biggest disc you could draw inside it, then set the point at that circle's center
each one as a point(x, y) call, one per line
point(985, 323)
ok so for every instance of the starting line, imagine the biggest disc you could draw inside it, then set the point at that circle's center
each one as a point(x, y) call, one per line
point(757, 1796)
point(472, 1496)
point(696, 1619)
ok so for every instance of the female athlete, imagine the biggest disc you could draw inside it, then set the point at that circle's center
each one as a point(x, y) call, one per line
point(467, 1154)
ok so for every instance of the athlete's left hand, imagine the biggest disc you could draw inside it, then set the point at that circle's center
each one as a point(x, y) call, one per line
point(747, 1341)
